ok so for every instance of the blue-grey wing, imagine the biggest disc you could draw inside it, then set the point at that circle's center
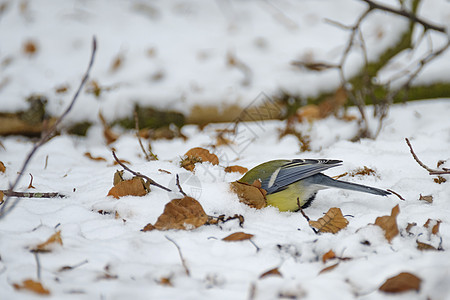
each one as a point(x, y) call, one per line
point(296, 170)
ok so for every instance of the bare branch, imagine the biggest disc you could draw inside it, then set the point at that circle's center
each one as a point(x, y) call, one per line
point(417, 159)
point(5, 209)
point(406, 14)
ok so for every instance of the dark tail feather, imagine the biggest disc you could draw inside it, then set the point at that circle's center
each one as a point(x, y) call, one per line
point(330, 182)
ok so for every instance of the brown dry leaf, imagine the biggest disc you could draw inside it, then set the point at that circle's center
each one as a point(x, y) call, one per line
point(62, 89)
point(33, 286)
point(98, 158)
point(185, 213)
point(272, 272)
point(165, 281)
point(122, 161)
point(2, 195)
point(329, 255)
point(439, 179)
point(132, 187)
point(249, 194)
point(389, 223)
point(2, 167)
point(428, 198)
point(116, 63)
point(30, 47)
point(309, 113)
point(401, 283)
point(203, 155)
point(239, 169)
point(109, 135)
point(329, 268)
point(118, 177)
point(440, 163)
point(424, 246)
point(48, 245)
point(410, 226)
point(435, 228)
point(148, 227)
point(238, 236)
point(332, 221)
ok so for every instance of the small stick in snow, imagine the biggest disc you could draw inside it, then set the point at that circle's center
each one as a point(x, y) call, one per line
point(179, 186)
point(396, 194)
point(38, 266)
point(136, 124)
point(9, 193)
point(304, 215)
point(417, 159)
point(430, 170)
point(183, 262)
point(151, 181)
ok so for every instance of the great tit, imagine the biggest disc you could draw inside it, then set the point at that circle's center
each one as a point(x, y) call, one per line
point(287, 180)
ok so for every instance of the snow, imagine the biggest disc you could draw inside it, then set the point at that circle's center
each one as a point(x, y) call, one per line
point(112, 258)
point(219, 269)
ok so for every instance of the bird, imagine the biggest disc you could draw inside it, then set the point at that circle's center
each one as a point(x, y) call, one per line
point(293, 184)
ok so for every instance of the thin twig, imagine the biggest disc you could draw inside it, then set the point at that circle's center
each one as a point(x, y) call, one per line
point(150, 181)
point(32, 195)
point(417, 159)
point(136, 123)
point(407, 14)
point(68, 268)
point(304, 215)
point(46, 137)
point(396, 194)
point(38, 265)
point(30, 185)
point(179, 186)
point(183, 262)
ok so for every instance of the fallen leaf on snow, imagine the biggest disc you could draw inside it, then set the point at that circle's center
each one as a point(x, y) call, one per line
point(165, 281)
point(424, 246)
point(272, 272)
point(196, 155)
point(2, 167)
point(329, 268)
point(33, 286)
point(428, 198)
point(389, 223)
point(239, 169)
point(132, 187)
point(238, 236)
point(435, 225)
point(248, 194)
point(329, 255)
point(332, 221)
point(97, 158)
point(401, 283)
point(185, 213)
point(48, 245)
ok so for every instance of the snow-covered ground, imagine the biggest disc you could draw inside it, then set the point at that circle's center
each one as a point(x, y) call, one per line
point(224, 270)
point(174, 55)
